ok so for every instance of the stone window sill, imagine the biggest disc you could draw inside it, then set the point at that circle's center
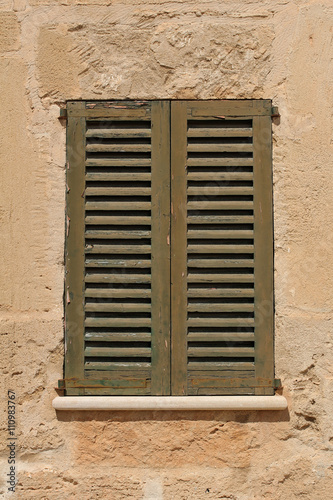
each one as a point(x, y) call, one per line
point(71, 403)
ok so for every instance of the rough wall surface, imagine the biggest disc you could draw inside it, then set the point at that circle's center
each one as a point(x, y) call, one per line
point(53, 50)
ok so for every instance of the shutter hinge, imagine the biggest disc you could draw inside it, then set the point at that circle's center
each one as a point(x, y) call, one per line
point(277, 383)
point(61, 384)
point(63, 113)
point(275, 112)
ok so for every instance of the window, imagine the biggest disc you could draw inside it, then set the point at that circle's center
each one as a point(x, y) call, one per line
point(169, 248)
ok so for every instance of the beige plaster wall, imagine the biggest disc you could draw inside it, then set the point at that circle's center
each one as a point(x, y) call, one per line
point(53, 50)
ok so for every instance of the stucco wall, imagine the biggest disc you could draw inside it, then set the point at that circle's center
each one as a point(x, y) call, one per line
point(53, 50)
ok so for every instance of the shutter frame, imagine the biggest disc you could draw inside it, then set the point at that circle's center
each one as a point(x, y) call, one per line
point(160, 255)
point(263, 253)
point(74, 253)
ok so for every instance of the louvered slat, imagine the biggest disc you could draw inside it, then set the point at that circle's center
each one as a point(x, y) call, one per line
point(118, 263)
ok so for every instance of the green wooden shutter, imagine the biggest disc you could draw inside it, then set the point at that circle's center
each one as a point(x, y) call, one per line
point(118, 251)
point(221, 248)
point(129, 329)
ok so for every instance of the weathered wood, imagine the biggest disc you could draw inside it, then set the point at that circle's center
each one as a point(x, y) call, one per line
point(234, 352)
point(160, 247)
point(114, 205)
point(204, 307)
point(108, 293)
point(118, 249)
point(189, 375)
point(119, 104)
point(220, 278)
point(122, 352)
point(116, 235)
point(178, 248)
point(220, 391)
point(220, 337)
point(117, 191)
point(219, 162)
point(120, 365)
point(111, 113)
point(219, 365)
point(118, 263)
point(118, 384)
point(135, 373)
point(217, 249)
point(118, 278)
point(218, 190)
point(228, 375)
point(118, 148)
point(119, 391)
point(117, 322)
point(107, 307)
point(220, 322)
point(208, 379)
point(119, 162)
point(135, 220)
point(263, 249)
point(227, 108)
point(220, 148)
point(219, 205)
point(220, 263)
point(219, 132)
point(210, 234)
point(120, 368)
point(117, 336)
point(220, 292)
point(137, 383)
point(116, 176)
point(219, 176)
point(118, 133)
point(219, 219)
point(74, 314)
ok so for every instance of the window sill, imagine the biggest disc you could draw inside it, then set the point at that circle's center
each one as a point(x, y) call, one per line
point(170, 403)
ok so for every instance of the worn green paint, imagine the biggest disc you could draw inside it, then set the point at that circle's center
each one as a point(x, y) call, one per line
point(178, 249)
point(263, 248)
point(229, 108)
point(74, 282)
point(160, 247)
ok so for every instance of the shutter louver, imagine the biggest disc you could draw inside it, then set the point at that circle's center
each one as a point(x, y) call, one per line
point(216, 274)
point(120, 201)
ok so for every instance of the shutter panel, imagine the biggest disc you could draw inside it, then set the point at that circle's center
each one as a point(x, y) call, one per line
point(117, 278)
point(222, 248)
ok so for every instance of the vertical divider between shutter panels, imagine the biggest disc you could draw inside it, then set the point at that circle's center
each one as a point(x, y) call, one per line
point(263, 252)
point(160, 245)
point(178, 248)
point(74, 279)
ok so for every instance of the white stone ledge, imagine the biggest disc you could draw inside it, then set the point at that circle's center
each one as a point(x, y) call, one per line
point(170, 403)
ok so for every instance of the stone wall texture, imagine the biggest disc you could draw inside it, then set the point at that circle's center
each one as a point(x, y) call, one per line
point(54, 50)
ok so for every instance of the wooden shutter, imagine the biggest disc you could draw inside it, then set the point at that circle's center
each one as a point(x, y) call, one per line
point(221, 248)
point(118, 252)
point(129, 329)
